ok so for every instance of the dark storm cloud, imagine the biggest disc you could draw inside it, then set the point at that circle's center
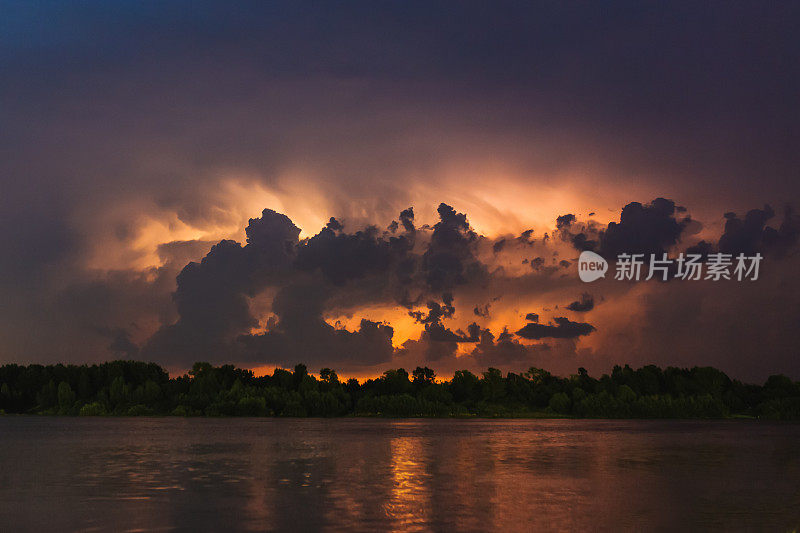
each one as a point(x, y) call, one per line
point(642, 229)
point(565, 221)
point(438, 344)
point(586, 303)
point(752, 234)
point(334, 225)
point(450, 258)
point(436, 311)
point(437, 332)
point(213, 297)
point(407, 219)
point(505, 351)
point(656, 227)
point(482, 310)
point(342, 257)
point(301, 334)
point(537, 263)
point(215, 315)
point(122, 347)
point(756, 232)
point(563, 329)
point(371, 343)
point(582, 242)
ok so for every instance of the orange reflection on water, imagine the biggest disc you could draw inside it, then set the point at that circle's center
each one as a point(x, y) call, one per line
point(409, 504)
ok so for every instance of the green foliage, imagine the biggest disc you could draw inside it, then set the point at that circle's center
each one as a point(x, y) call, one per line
point(93, 409)
point(182, 410)
point(251, 406)
point(66, 398)
point(129, 388)
point(560, 403)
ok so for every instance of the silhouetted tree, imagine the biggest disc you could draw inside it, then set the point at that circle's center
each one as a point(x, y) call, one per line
point(134, 388)
point(423, 375)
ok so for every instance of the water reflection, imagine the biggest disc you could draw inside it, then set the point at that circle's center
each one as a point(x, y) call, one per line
point(266, 474)
point(410, 503)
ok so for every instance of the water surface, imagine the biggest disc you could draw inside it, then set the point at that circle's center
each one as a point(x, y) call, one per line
point(375, 474)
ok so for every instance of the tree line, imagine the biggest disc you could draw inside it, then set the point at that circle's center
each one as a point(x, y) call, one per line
point(132, 388)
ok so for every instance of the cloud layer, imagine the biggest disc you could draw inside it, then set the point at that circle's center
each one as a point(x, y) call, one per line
point(141, 144)
point(433, 274)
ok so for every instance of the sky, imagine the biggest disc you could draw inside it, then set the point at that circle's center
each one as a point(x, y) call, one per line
point(352, 184)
